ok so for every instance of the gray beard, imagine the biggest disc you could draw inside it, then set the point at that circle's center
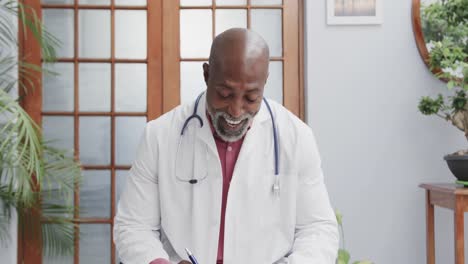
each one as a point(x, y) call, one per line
point(227, 135)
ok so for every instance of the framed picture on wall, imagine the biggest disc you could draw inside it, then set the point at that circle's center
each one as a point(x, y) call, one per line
point(354, 12)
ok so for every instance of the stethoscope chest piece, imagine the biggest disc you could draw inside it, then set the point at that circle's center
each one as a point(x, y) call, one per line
point(276, 186)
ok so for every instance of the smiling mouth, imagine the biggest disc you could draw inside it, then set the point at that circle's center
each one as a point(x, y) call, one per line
point(234, 125)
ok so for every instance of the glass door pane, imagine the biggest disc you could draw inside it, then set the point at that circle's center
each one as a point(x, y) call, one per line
point(95, 243)
point(195, 33)
point(230, 18)
point(230, 2)
point(95, 140)
point(59, 22)
point(94, 2)
point(192, 82)
point(130, 2)
point(128, 131)
point(59, 131)
point(95, 86)
point(95, 194)
point(130, 87)
point(130, 34)
point(57, 92)
point(268, 23)
point(196, 2)
point(94, 33)
point(274, 86)
point(265, 2)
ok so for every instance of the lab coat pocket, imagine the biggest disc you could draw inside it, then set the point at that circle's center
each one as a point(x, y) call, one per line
point(279, 214)
point(281, 196)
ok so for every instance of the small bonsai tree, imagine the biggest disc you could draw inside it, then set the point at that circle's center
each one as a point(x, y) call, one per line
point(445, 27)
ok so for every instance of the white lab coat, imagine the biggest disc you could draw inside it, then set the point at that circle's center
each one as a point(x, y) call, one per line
point(159, 215)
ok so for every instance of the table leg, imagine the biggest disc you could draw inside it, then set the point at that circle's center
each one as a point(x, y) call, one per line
point(459, 232)
point(430, 240)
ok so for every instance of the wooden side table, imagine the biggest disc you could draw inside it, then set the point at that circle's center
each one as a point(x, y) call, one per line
point(451, 196)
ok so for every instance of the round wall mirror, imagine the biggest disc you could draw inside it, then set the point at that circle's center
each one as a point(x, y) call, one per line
point(441, 31)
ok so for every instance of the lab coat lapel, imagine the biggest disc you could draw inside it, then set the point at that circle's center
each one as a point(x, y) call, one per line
point(255, 142)
point(207, 198)
point(254, 135)
point(205, 133)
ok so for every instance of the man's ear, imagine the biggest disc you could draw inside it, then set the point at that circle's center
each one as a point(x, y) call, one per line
point(206, 72)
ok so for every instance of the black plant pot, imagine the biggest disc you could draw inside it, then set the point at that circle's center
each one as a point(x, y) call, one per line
point(458, 165)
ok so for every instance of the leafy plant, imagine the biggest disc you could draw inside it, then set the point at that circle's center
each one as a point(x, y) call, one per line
point(36, 179)
point(445, 27)
point(343, 255)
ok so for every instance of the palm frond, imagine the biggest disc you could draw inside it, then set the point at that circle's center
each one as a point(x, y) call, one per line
point(4, 229)
point(57, 211)
point(57, 214)
point(8, 29)
point(29, 20)
point(24, 154)
point(20, 137)
point(60, 169)
point(58, 238)
point(7, 203)
point(8, 198)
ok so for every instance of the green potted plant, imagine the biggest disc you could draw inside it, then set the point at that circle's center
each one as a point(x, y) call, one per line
point(343, 255)
point(445, 28)
point(36, 179)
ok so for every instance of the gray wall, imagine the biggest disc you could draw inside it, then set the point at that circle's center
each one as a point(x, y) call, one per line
point(363, 86)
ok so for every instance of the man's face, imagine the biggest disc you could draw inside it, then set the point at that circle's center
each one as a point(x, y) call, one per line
point(234, 95)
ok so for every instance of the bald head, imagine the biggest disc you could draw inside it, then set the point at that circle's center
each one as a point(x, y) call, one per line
point(238, 52)
point(239, 43)
point(235, 79)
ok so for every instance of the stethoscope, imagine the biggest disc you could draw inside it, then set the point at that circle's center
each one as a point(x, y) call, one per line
point(276, 186)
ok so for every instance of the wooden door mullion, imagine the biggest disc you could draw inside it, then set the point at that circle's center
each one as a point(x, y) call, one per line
point(94, 7)
point(102, 60)
point(248, 14)
point(112, 179)
point(29, 243)
point(291, 86)
point(154, 97)
point(76, 142)
point(60, 113)
point(301, 22)
point(171, 57)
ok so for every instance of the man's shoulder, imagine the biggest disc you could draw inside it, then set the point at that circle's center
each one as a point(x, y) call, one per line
point(285, 118)
point(293, 131)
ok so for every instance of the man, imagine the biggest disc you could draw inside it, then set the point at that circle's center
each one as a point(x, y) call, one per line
point(210, 176)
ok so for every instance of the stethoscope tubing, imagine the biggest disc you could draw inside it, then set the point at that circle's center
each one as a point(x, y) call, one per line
point(275, 135)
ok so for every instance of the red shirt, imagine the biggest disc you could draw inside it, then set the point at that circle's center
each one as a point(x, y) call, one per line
point(228, 153)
